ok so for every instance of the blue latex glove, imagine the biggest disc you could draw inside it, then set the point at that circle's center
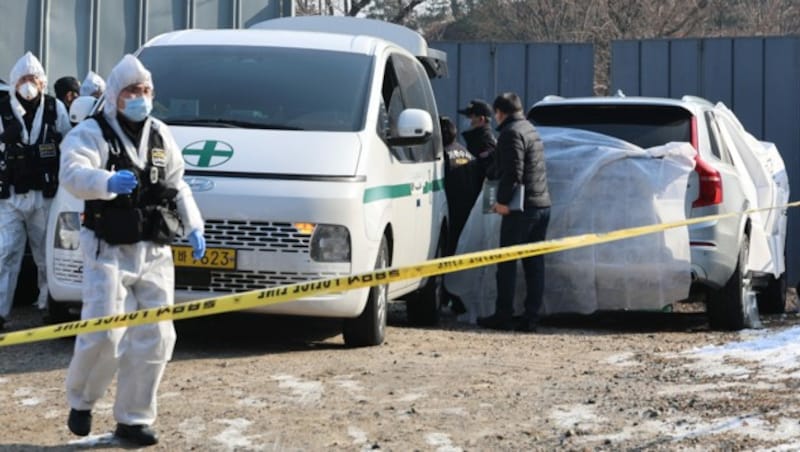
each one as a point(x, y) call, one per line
point(198, 243)
point(122, 182)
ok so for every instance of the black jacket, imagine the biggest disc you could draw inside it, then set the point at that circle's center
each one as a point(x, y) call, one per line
point(481, 144)
point(519, 159)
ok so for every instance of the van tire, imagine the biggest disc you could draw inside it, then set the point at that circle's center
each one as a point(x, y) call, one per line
point(369, 328)
point(772, 300)
point(734, 306)
point(424, 306)
point(57, 312)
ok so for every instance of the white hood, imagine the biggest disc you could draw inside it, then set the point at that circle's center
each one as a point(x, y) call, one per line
point(280, 152)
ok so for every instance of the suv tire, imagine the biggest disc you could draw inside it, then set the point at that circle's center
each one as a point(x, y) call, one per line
point(734, 307)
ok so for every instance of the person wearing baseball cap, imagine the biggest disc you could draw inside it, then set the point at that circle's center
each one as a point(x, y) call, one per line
point(479, 138)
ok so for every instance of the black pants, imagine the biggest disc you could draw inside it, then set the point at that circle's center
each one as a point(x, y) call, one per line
point(518, 228)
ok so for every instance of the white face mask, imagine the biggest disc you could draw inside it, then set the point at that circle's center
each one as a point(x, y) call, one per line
point(28, 91)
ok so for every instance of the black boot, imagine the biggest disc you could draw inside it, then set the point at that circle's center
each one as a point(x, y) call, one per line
point(80, 422)
point(496, 322)
point(141, 435)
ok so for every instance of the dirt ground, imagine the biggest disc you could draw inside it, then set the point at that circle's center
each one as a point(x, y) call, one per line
point(616, 381)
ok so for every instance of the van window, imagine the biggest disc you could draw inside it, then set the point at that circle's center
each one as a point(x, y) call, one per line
point(259, 87)
point(412, 79)
point(643, 125)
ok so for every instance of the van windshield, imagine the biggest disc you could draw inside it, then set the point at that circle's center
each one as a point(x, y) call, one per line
point(258, 87)
point(643, 125)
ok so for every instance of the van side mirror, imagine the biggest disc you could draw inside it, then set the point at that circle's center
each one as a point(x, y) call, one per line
point(414, 127)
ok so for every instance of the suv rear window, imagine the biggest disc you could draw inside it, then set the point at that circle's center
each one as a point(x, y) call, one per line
point(643, 125)
point(259, 87)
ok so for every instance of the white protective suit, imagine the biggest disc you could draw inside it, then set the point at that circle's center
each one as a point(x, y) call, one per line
point(93, 83)
point(25, 214)
point(122, 278)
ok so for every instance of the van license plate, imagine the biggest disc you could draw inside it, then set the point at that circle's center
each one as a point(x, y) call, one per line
point(215, 258)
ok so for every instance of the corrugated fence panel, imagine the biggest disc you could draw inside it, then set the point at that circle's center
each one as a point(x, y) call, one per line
point(625, 75)
point(684, 67)
point(118, 33)
point(577, 70)
point(756, 77)
point(781, 119)
point(544, 72)
point(475, 73)
point(166, 15)
point(19, 32)
point(69, 39)
point(748, 83)
point(511, 69)
point(213, 14)
point(534, 70)
point(717, 71)
point(654, 69)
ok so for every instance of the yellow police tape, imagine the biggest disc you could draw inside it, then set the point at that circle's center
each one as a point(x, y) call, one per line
point(282, 294)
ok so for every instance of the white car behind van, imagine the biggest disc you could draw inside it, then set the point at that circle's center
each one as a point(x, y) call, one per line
point(313, 149)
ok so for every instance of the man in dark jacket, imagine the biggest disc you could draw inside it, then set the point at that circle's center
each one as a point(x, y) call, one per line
point(479, 138)
point(519, 161)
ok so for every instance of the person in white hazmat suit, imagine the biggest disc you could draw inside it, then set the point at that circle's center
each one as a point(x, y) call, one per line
point(93, 85)
point(31, 126)
point(127, 168)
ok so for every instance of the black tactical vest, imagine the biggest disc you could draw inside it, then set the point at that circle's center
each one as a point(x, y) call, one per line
point(35, 166)
point(149, 213)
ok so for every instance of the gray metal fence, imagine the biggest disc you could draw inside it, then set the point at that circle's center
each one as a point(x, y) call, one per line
point(483, 70)
point(73, 36)
point(758, 78)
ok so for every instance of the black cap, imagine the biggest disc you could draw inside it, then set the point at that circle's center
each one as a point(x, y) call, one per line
point(65, 85)
point(477, 107)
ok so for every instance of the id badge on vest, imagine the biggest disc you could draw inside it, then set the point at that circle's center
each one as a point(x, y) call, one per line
point(159, 157)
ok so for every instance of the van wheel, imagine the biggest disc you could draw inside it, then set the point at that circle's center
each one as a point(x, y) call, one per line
point(734, 307)
point(369, 328)
point(424, 306)
point(772, 300)
point(57, 312)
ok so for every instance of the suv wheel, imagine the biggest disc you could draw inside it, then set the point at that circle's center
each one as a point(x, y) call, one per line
point(734, 307)
point(369, 328)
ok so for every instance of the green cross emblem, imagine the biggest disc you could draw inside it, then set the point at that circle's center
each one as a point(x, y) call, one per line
point(207, 153)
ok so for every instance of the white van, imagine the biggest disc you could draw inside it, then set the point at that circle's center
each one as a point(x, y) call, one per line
point(313, 148)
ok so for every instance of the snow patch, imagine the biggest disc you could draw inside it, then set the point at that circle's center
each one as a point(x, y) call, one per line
point(305, 391)
point(442, 442)
point(251, 402)
point(626, 359)
point(192, 428)
point(775, 353)
point(359, 436)
point(91, 441)
point(233, 438)
point(570, 416)
point(410, 397)
point(22, 392)
point(30, 401)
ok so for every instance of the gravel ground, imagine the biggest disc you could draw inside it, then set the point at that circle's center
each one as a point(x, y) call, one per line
point(617, 381)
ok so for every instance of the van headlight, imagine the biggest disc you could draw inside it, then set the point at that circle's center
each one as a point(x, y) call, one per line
point(330, 243)
point(68, 230)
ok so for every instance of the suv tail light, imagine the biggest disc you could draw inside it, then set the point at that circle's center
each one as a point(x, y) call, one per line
point(710, 192)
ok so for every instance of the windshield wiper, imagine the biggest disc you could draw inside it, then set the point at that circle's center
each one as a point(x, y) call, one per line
point(224, 122)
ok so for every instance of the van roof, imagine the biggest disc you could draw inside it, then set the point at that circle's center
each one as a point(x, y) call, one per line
point(273, 38)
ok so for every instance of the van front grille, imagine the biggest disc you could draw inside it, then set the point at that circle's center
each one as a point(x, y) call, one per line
point(240, 280)
point(266, 236)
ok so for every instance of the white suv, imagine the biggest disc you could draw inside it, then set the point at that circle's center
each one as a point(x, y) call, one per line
point(732, 259)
